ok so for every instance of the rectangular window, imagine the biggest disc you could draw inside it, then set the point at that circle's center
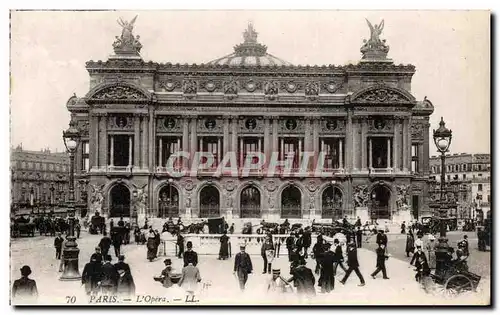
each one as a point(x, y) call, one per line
point(85, 156)
point(291, 148)
point(251, 145)
point(332, 150)
point(166, 146)
point(211, 145)
point(120, 151)
point(480, 187)
point(464, 176)
point(414, 166)
point(381, 150)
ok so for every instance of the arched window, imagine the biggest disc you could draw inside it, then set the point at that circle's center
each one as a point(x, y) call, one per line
point(209, 202)
point(250, 203)
point(291, 203)
point(119, 201)
point(168, 202)
point(380, 202)
point(331, 203)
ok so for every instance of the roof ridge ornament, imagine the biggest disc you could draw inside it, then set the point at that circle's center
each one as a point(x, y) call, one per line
point(250, 46)
point(375, 49)
point(127, 46)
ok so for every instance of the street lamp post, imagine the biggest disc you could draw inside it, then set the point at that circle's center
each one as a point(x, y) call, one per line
point(71, 139)
point(169, 203)
point(134, 213)
point(442, 140)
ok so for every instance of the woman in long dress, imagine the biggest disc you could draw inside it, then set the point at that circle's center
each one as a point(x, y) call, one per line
point(431, 252)
point(410, 243)
point(224, 247)
point(151, 245)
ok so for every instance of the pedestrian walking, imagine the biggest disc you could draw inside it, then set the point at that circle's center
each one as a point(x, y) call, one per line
point(62, 261)
point(242, 267)
point(111, 225)
point(97, 254)
point(190, 256)
point(110, 277)
point(91, 274)
point(267, 253)
point(338, 257)
point(157, 242)
point(126, 285)
point(117, 242)
point(105, 244)
point(327, 278)
point(352, 262)
point(24, 289)
point(466, 244)
point(410, 243)
point(431, 251)
point(189, 279)
point(381, 258)
point(224, 247)
point(151, 245)
point(382, 238)
point(77, 228)
point(403, 228)
point(289, 245)
point(306, 241)
point(58, 243)
point(180, 245)
point(359, 237)
point(303, 278)
point(318, 250)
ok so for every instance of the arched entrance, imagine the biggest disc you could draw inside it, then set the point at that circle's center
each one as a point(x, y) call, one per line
point(168, 202)
point(119, 204)
point(250, 203)
point(331, 203)
point(209, 202)
point(291, 203)
point(380, 202)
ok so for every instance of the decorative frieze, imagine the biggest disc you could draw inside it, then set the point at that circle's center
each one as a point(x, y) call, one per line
point(120, 122)
point(168, 124)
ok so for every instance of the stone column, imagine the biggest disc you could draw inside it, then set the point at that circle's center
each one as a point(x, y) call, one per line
point(185, 140)
point(267, 141)
point(388, 152)
point(395, 146)
point(234, 135)
point(408, 137)
point(130, 150)
point(420, 159)
point(240, 153)
point(341, 155)
point(315, 124)
point(137, 140)
point(144, 143)
point(425, 161)
point(194, 138)
point(364, 127)
point(112, 151)
point(225, 142)
point(370, 155)
point(103, 140)
point(152, 142)
point(349, 142)
point(219, 151)
point(405, 145)
point(275, 146)
point(93, 136)
point(160, 153)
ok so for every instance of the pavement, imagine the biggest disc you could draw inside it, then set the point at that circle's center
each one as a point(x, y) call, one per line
point(220, 286)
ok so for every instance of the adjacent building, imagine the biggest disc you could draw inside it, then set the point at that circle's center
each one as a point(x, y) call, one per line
point(360, 122)
point(471, 171)
point(39, 179)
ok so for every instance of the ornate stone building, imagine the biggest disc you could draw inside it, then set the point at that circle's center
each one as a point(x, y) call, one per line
point(372, 133)
point(39, 179)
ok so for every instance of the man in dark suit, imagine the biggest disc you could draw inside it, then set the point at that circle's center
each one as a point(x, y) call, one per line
point(242, 267)
point(58, 242)
point(190, 256)
point(359, 237)
point(338, 257)
point(382, 238)
point(352, 262)
point(110, 276)
point(327, 278)
point(306, 240)
point(105, 244)
point(24, 288)
point(381, 257)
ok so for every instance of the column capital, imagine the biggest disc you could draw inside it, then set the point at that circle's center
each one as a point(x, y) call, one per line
point(190, 116)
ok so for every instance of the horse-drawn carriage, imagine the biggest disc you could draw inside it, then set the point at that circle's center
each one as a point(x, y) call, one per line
point(97, 224)
point(18, 229)
point(455, 279)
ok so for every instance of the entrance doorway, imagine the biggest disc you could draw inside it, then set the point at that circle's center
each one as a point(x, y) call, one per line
point(380, 203)
point(119, 201)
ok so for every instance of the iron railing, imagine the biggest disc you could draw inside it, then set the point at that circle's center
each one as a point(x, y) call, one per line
point(119, 210)
point(331, 213)
point(209, 211)
point(291, 212)
point(167, 210)
point(250, 211)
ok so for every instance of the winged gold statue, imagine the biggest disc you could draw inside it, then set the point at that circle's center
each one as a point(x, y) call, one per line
point(128, 27)
point(376, 31)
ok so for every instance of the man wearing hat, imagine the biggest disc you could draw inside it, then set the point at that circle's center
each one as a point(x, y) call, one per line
point(166, 274)
point(91, 274)
point(327, 278)
point(110, 276)
point(277, 284)
point(242, 266)
point(381, 257)
point(24, 288)
point(97, 255)
point(338, 257)
point(382, 238)
point(58, 242)
point(190, 256)
point(352, 262)
point(126, 285)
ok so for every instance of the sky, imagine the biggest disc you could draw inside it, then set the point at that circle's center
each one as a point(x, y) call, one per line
point(450, 49)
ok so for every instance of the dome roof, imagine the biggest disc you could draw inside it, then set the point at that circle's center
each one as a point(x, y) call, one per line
point(250, 53)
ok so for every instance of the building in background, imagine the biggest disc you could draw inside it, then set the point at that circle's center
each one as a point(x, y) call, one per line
point(373, 132)
point(39, 180)
point(471, 171)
